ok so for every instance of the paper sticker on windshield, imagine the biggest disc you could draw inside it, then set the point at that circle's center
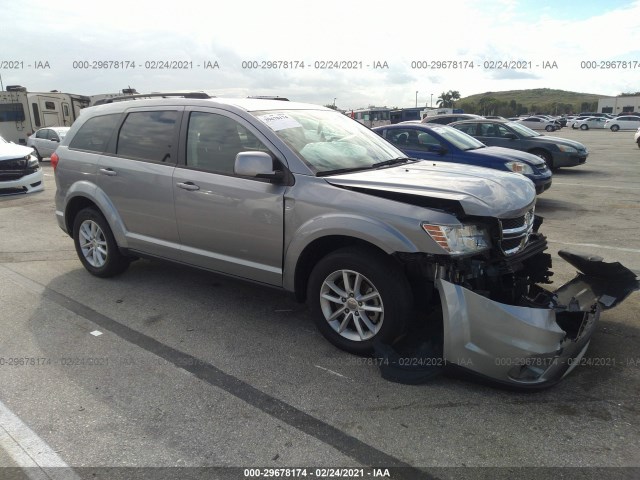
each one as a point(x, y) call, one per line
point(279, 121)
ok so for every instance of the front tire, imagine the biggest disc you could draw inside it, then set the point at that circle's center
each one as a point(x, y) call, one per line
point(615, 128)
point(95, 245)
point(549, 128)
point(358, 297)
point(546, 156)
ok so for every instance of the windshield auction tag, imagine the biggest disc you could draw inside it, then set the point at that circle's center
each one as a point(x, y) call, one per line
point(279, 121)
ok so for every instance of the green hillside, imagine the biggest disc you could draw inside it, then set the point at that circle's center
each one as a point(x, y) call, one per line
point(538, 100)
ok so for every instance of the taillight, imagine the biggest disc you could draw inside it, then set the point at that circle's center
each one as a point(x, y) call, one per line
point(54, 160)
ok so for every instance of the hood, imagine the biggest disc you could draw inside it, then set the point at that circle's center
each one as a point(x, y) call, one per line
point(509, 154)
point(559, 141)
point(11, 151)
point(480, 191)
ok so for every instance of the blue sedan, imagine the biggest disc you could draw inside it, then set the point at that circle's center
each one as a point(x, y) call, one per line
point(443, 143)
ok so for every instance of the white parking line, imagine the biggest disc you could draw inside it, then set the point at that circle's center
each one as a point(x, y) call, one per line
point(593, 245)
point(29, 451)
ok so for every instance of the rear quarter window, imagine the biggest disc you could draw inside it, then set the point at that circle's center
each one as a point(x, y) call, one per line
point(95, 133)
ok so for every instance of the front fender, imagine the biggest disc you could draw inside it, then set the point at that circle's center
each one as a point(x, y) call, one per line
point(366, 229)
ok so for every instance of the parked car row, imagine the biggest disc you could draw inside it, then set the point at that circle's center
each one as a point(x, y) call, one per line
point(446, 144)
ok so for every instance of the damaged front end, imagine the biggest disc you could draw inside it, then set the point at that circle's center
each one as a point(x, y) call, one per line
point(539, 341)
point(500, 324)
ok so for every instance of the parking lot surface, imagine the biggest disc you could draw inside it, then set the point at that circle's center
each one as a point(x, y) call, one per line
point(166, 366)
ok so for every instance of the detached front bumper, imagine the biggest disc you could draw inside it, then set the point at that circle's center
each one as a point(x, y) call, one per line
point(537, 344)
point(530, 343)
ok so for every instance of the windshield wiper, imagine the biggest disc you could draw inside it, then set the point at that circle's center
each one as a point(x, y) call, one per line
point(393, 161)
point(386, 163)
point(342, 170)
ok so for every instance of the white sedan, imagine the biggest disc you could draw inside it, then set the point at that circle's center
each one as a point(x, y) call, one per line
point(623, 122)
point(45, 141)
point(590, 122)
point(20, 171)
point(537, 123)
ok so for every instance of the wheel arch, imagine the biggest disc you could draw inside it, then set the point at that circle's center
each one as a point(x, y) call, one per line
point(89, 196)
point(543, 153)
point(319, 248)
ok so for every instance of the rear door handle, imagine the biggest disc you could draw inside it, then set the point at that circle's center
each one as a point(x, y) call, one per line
point(109, 172)
point(188, 186)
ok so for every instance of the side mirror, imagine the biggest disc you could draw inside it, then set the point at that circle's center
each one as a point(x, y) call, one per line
point(511, 136)
point(55, 139)
point(257, 165)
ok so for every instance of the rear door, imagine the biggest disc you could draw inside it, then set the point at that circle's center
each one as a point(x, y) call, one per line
point(226, 222)
point(136, 174)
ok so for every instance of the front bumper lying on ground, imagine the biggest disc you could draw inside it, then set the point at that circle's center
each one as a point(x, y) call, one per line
point(530, 345)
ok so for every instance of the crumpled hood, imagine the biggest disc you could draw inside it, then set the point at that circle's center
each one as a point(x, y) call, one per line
point(480, 191)
point(11, 151)
point(510, 154)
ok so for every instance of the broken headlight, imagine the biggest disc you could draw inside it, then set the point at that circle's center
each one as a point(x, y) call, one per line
point(459, 239)
point(32, 161)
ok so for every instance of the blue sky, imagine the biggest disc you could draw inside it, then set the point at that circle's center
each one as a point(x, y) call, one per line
point(531, 33)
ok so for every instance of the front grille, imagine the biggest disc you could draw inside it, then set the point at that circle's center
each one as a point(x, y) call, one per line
point(511, 223)
point(10, 176)
point(514, 233)
point(13, 164)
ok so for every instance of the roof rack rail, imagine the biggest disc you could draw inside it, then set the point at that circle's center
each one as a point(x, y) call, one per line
point(123, 98)
point(268, 97)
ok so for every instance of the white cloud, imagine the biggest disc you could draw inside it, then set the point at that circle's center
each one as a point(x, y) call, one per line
point(356, 30)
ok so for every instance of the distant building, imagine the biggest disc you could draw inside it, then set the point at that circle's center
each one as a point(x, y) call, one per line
point(619, 105)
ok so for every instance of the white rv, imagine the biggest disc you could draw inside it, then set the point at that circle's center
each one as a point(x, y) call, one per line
point(23, 112)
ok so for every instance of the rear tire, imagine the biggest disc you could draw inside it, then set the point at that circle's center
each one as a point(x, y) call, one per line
point(95, 245)
point(359, 296)
point(549, 128)
point(584, 127)
point(615, 128)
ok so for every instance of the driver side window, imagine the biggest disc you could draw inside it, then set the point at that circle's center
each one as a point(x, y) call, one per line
point(213, 141)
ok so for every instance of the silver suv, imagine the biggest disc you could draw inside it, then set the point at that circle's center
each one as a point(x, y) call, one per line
point(308, 200)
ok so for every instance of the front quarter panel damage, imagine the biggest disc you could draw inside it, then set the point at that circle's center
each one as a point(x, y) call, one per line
point(535, 344)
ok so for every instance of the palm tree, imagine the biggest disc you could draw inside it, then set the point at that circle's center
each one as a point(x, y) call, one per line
point(447, 99)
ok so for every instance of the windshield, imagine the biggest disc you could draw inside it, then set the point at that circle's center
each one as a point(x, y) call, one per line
point(523, 130)
point(458, 139)
point(328, 140)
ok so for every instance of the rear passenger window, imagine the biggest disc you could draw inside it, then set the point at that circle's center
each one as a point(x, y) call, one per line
point(94, 135)
point(213, 141)
point(148, 135)
point(468, 128)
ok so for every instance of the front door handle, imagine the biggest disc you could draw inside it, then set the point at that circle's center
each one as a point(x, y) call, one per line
point(188, 186)
point(109, 172)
